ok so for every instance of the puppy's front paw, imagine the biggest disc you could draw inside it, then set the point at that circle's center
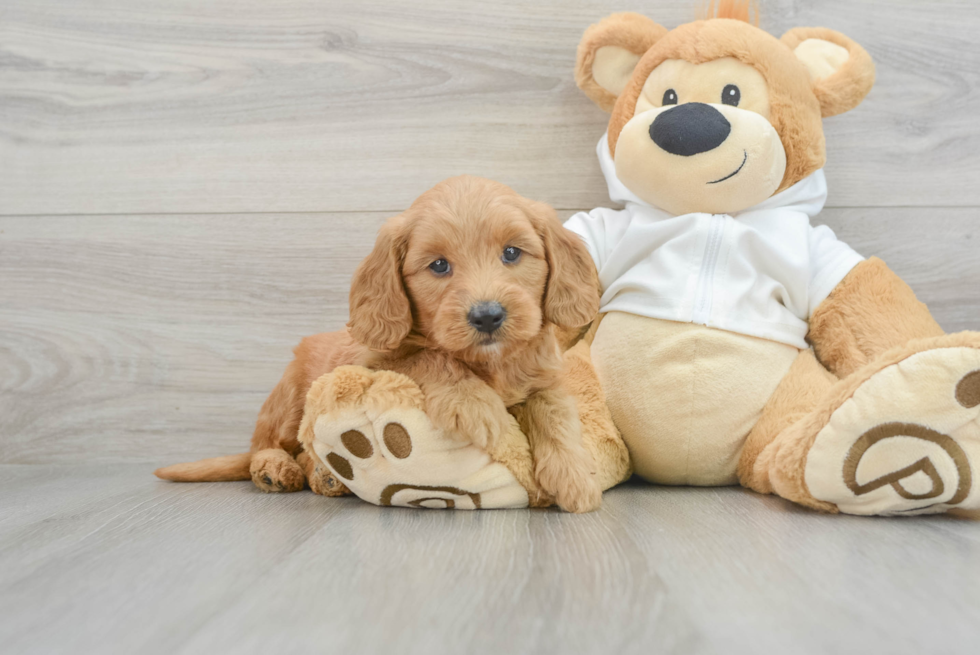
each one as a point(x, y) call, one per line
point(585, 496)
point(484, 428)
point(473, 423)
point(572, 484)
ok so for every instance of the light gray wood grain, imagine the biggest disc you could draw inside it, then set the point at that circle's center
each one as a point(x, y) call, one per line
point(133, 106)
point(153, 335)
point(145, 326)
point(110, 560)
point(157, 338)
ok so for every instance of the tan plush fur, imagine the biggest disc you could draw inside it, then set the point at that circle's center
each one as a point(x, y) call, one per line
point(870, 311)
point(804, 386)
point(794, 109)
point(843, 90)
point(634, 33)
point(409, 319)
point(784, 461)
point(871, 321)
point(797, 102)
point(685, 396)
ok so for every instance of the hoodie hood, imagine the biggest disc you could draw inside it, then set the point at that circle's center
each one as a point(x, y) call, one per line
point(807, 196)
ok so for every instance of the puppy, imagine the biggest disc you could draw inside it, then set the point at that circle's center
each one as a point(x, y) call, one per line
point(466, 293)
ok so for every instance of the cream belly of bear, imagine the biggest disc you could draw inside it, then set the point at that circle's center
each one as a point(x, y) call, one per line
point(685, 396)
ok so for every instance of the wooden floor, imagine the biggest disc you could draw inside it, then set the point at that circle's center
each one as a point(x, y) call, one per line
point(185, 189)
point(103, 559)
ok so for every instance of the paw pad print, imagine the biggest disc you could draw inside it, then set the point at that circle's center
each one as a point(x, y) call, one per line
point(383, 447)
point(907, 441)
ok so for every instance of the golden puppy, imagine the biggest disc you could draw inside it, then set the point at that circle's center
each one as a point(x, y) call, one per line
point(464, 293)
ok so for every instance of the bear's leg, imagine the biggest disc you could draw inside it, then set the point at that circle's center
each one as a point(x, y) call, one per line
point(900, 433)
point(806, 384)
point(899, 436)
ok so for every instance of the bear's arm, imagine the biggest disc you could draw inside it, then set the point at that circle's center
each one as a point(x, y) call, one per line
point(868, 312)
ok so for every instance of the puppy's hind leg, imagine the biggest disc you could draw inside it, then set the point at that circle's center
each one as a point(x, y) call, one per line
point(274, 442)
point(274, 470)
point(319, 477)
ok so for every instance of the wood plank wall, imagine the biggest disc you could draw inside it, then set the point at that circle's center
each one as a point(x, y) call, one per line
point(186, 187)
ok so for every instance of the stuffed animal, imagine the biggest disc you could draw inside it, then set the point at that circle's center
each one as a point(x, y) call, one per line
point(738, 342)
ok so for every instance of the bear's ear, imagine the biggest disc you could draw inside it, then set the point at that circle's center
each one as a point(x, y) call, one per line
point(608, 53)
point(841, 71)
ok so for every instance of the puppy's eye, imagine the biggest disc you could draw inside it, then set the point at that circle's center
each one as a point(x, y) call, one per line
point(670, 97)
point(731, 95)
point(440, 267)
point(511, 254)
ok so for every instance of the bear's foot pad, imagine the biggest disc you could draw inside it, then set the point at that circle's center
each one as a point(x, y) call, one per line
point(381, 445)
point(907, 441)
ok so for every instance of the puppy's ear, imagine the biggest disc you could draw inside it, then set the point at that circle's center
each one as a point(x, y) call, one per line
point(841, 71)
point(608, 53)
point(380, 313)
point(572, 297)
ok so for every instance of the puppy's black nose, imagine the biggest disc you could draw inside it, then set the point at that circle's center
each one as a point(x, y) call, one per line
point(690, 129)
point(487, 317)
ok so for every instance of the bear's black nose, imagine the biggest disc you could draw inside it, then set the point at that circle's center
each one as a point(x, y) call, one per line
point(487, 317)
point(690, 129)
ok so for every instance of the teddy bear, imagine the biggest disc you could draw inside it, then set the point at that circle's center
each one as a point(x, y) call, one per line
point(739, 344)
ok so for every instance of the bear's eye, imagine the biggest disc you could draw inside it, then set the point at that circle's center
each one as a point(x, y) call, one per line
point(670, 97)
point(730, 95)
point(440, 267)
point(511, 254)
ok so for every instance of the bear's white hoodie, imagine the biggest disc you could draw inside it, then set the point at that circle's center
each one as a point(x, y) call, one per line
point(760, 272)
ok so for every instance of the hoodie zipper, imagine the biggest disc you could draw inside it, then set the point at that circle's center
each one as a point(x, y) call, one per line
point(706, 278)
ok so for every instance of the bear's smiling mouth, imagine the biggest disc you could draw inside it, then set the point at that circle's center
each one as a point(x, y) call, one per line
point(731, 175)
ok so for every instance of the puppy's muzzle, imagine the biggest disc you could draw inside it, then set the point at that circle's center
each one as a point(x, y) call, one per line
point(487, 317)
point(690, 129)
